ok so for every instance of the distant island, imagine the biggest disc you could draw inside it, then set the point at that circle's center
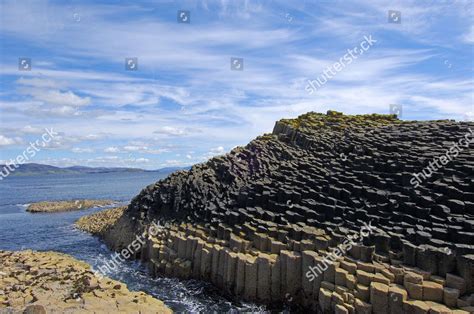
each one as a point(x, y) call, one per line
point(62, 206)
point(30, 169)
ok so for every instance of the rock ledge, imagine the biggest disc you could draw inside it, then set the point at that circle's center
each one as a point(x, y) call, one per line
point(47, 282)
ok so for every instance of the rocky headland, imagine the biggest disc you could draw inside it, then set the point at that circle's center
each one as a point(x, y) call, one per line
point(49, 282)
point(63, 206)
point(329, 213)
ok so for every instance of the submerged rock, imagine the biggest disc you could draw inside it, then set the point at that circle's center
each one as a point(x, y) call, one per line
point(331, 213)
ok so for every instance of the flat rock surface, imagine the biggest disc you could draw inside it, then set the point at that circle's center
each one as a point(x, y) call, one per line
point(49, 282)
point(62, 206)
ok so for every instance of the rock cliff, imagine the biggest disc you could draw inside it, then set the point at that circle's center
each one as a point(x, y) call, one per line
point(337, 213)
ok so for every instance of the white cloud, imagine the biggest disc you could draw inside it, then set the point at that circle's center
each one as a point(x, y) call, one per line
point(174, 163)
point(38, 82)
point(469, 116)
point(82, 150)
point(216, 151)
point(157, 151)
point(6, 141)
point(469, 36)
point(142, 160)
point(170, 130)
point(28, 129)
point(132, 148)
point(55, 97)
point(111, 150)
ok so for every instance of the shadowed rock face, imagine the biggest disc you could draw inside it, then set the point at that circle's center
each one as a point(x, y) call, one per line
point(256, 220)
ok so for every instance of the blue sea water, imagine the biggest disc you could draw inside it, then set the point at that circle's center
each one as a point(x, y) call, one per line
point(20, 230)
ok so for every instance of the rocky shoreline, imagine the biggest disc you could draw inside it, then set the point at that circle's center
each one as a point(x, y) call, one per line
point(62, 206)
point(50, 282)
point(281, 221)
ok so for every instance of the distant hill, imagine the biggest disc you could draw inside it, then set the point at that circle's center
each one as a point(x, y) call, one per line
point(40, 169)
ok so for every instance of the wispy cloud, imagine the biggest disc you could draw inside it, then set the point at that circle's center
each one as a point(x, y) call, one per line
point(185, 98)
point(5, 141)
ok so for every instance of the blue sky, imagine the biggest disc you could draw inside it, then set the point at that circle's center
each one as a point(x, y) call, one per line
point(184, 104)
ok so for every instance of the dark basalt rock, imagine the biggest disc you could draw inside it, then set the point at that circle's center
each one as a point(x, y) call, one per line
point(329, 174)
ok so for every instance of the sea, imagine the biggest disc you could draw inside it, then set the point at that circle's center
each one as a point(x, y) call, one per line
point(21, 230)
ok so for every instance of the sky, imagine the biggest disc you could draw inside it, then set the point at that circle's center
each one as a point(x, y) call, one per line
point(184, 102)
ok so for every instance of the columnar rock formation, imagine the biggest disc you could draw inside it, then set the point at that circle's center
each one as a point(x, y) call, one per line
point(323, 213)
point(98, 223)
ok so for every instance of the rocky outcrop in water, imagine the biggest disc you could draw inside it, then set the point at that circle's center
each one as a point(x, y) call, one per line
point(63, 206)
point(335, 213)
point(49, 282)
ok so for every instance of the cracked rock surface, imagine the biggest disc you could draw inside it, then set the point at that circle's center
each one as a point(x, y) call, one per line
point(49, 282)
